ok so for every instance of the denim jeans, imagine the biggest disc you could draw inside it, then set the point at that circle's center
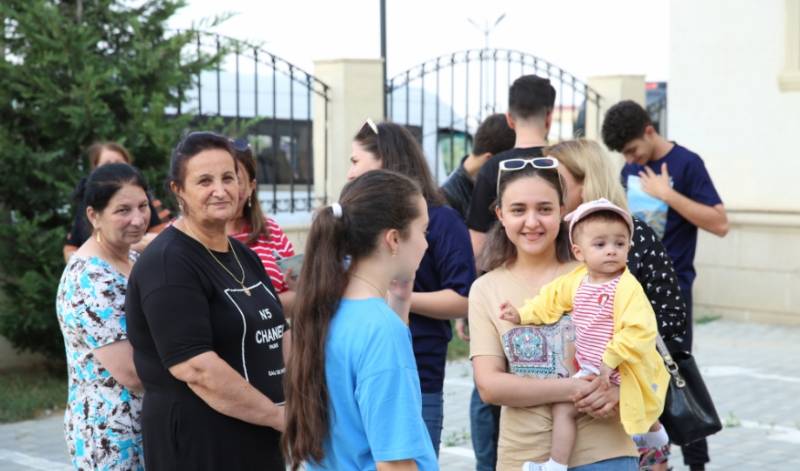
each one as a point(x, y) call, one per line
point(484, 423)
point(433, 415)
point(624, 463)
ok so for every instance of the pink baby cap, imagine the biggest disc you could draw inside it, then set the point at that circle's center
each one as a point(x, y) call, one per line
point(590, 207)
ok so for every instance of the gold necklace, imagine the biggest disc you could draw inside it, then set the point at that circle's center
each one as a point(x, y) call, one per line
point(380, 293)
point(240, 281)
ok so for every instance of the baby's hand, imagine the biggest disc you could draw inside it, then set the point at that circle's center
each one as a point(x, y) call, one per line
point(509, 313)
point(605, 374)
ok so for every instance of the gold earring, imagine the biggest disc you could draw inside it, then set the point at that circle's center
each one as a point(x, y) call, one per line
point(250, 202)
point(98, 236)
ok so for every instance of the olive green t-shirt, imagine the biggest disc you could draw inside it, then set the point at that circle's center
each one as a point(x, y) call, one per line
point(525, 433)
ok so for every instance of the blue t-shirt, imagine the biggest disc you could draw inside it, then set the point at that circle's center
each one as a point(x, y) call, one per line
point(375, 406)
point(447, 264)
point(689, 177)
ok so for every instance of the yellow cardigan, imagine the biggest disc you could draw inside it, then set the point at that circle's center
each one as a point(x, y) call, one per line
point(632, 348)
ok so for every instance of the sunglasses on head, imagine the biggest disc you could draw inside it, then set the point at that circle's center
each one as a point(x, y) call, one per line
point(512, 165)
point(240, 145)
point(372, 125)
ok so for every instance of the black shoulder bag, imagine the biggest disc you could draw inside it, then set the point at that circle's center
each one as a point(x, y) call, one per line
point(689, 412)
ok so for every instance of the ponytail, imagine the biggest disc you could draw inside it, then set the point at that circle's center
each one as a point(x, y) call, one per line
point(323, 277)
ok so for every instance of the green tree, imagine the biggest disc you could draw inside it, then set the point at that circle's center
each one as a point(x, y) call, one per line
point(74, 72)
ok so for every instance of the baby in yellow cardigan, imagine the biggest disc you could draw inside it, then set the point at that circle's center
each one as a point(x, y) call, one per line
point(615, 328)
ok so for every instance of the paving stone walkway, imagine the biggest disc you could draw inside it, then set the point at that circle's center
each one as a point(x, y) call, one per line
point(751, 370)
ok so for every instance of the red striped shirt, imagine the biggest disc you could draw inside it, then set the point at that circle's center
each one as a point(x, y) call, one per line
point(265, 248)
point(593, 317)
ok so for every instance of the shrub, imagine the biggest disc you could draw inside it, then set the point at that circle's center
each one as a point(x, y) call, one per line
point(74, 72)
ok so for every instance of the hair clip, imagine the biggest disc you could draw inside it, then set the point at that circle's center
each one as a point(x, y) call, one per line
point(336, 209)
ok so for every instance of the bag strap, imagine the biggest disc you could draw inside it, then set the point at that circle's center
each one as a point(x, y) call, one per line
point(669, 362)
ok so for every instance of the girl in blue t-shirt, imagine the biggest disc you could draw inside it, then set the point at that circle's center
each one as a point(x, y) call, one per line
point(353, 397)
point(446, 272)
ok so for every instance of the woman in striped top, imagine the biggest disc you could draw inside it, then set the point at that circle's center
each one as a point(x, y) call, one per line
point(259, 232)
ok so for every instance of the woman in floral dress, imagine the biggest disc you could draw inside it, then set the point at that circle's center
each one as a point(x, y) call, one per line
point(101, 422)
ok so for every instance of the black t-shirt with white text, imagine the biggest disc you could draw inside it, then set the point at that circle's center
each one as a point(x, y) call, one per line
point(182, 303)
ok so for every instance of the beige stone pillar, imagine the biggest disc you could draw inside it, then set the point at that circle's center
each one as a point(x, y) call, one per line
point(612, 89)
point(355, 93)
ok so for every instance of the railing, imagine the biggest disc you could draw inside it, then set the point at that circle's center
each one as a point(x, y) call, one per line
point(437, 99)
point(255, 94)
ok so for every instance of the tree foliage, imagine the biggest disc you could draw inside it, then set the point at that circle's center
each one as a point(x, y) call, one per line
point(74, 72)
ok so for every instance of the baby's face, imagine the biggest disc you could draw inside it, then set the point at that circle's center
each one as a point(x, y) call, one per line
point(603, 245)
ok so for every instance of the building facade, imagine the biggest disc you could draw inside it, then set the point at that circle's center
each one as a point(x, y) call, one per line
point(734, 98)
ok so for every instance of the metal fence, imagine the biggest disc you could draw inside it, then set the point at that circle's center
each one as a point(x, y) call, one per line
point(259, 96)
point(443, 100)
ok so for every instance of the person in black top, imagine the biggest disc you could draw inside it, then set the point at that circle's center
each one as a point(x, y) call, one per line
point(102, 153)
point(207, 328)
point(530, 113)
point(492, 137)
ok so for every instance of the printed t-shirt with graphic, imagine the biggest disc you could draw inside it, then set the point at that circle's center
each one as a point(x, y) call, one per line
point(180, 304)
point(481, 216)
point(266, 247)
point(690, 178)
point(373, 391)
point(526, 432)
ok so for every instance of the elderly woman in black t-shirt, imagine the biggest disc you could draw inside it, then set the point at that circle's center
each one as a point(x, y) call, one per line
point(206, 328)
point(589, 174)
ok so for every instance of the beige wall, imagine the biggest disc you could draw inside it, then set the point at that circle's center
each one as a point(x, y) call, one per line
point(297, 234)
point(752, 274)
point(355, 94)
point(726, 103)
point(612, 89)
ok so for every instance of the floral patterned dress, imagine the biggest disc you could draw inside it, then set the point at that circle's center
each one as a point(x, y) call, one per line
point(102, 421)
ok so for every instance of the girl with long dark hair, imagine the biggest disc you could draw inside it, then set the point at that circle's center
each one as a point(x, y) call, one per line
point(353, 396)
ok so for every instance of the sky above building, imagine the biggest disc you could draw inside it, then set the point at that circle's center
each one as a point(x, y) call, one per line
point(584, 37)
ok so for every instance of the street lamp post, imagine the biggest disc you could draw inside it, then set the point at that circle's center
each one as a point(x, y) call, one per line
point(383, 54)
point(486, 30)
